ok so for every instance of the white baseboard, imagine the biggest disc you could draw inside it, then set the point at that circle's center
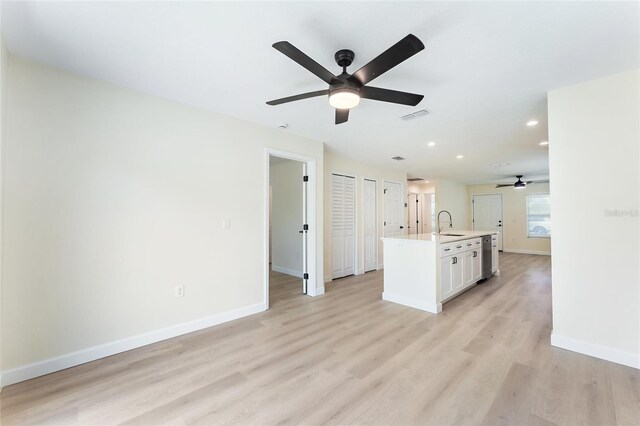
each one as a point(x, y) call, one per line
point(434, 308)
point(542, 253)
point(287, 271)
point(320, 291)
point(603, 352)
point(51, 365)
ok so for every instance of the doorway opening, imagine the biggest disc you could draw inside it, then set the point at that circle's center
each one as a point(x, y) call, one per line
point(290, 265)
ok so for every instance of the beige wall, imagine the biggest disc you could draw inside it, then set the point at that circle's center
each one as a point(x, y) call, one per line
point(514, 219)
point(421, 187)
point(452, 196)
point(112, 198)
point(286, 217)
point(334, 163)
point(594, 159)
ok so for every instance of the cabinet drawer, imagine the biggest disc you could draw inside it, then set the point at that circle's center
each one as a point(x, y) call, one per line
point(447, 249)
point(452, 248)
point(471, 244)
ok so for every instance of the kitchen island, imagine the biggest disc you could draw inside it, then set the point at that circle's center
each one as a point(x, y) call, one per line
point(425, 270)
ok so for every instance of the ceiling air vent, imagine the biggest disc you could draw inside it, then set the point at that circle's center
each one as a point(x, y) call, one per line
point(414, 179)
point(397, 158)
point(416, 114)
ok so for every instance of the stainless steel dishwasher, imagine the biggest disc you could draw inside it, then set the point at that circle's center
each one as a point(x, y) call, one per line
point(486, 256)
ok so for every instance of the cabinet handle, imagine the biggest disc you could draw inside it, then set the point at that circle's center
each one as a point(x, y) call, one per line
point(447, 249)
point(475, 253)
point(455, 260)
point(469, 244)
point(459, 246)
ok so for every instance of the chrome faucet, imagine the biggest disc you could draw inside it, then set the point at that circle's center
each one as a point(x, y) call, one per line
point(438, 220)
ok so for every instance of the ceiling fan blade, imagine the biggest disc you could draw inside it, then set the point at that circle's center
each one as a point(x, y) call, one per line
point(399, 52)
point(504, 185)
point(298, 56)
point(393, 96)
point(539, 181)
point(342, 115)
point(298, 97)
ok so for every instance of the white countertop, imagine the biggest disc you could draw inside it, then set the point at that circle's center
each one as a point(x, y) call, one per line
point(435, 238)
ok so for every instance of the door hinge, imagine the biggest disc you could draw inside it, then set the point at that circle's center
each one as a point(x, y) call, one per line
point(385, 224)
point(305, 276)
point(305, 178)
point(305, 227)
point(385, 191)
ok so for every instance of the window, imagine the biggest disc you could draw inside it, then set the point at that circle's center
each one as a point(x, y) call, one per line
point(538, 216)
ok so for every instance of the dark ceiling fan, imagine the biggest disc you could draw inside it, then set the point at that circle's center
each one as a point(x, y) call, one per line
point(520, 184)
point(345, 90)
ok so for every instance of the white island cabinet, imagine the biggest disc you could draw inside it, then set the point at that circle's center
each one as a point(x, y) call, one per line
point(425, 270)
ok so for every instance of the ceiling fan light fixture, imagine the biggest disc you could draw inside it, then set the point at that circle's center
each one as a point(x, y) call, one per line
point(519, 184)
point(344, 98)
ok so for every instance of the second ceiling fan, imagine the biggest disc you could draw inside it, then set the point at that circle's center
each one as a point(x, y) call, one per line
point(346, 90)
point(520, 184)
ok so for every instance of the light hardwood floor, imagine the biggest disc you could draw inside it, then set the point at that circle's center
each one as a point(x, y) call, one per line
point(350, 358)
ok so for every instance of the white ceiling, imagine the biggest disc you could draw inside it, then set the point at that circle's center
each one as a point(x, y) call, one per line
point(485, 71)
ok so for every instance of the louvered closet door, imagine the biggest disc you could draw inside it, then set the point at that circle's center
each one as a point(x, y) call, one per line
point(343, 226)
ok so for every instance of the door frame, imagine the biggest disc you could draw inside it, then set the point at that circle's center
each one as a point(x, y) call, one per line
point(377, 222)
point(473, 215)
point(312, 237)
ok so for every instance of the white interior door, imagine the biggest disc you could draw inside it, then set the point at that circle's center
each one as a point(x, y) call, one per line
point(343, 225)
point(487, 214)
point(370, 222)
point(393, 200)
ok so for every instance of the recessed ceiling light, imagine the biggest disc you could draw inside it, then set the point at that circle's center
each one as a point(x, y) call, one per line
point(459, 156)
point(544, 143)
point(532, 123)
point(432, 143)
point(426, 181)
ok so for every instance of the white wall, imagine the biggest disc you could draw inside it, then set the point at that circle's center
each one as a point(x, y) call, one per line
point(286, 217)
point(334, 163)
point(514, 216)
point(452, 196)
point(594, 135)
point(112, 198)
point(4, 59)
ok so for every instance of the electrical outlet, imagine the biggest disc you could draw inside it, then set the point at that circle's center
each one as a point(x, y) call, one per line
point(179, 291)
